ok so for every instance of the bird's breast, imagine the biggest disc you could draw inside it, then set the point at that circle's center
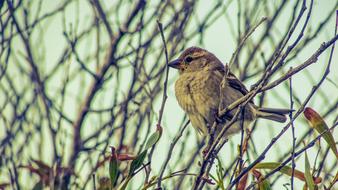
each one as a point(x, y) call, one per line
point(183, 92)
point(195, 89)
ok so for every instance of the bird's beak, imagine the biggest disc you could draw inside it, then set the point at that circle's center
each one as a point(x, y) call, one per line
point(175, 63)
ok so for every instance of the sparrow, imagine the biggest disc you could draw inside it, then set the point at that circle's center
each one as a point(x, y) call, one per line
point(201, 91)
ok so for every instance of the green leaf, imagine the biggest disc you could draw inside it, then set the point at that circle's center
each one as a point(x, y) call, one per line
point(285, 170)
point(137, 163)
point(113, 170)
point(38, 186)
point(308, 175)
point(153, 139)
point(264, 185)
point(320, 126)
point(125, 183)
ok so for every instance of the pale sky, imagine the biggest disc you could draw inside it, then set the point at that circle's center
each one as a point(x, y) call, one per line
point(218, 40)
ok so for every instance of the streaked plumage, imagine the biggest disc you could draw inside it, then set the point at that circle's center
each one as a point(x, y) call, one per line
point(200, 93)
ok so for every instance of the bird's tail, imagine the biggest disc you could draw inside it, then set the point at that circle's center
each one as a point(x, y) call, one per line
point(274, 114)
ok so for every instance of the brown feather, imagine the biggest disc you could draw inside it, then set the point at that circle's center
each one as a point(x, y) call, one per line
point(201, 93)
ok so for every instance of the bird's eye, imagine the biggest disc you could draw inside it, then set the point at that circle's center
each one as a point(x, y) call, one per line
point(188, 59)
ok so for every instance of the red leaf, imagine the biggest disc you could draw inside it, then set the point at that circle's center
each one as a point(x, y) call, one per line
point(242, 183)
point(318, 123)
point(124, 157)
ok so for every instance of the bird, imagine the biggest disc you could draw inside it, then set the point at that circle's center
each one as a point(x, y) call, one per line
point(201, 92)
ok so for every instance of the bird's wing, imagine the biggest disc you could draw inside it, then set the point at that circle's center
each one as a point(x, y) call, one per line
point(234, 90)
point(235, 83)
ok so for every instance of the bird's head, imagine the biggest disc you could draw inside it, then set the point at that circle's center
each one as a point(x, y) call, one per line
point(195, 59)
